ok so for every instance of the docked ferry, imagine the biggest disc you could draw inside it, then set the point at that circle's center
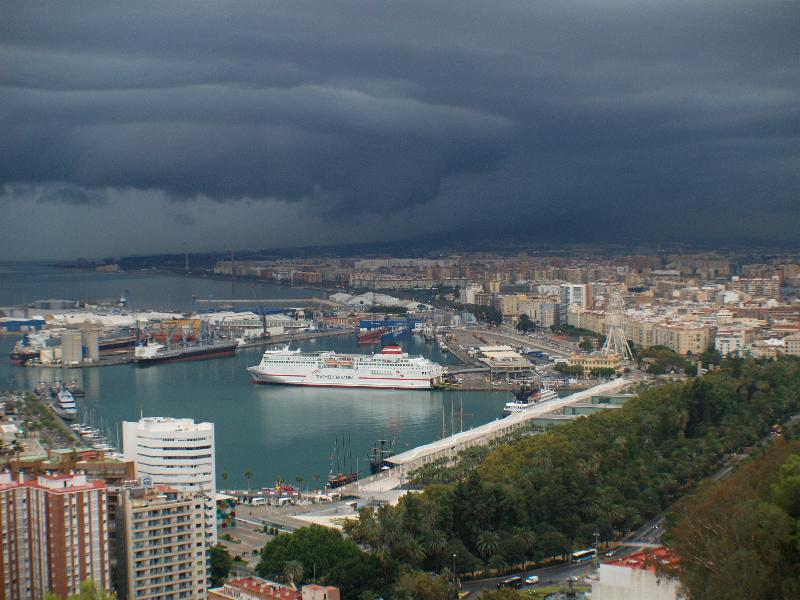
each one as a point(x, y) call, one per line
point(389, 368)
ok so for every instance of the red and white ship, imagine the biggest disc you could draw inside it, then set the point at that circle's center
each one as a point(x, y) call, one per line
point(389, 368)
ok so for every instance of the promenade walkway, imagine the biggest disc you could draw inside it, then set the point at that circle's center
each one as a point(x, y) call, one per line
point(450, 446)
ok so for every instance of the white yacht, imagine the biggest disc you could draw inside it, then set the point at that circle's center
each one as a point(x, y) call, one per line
point(521, 404)
point(65, 406)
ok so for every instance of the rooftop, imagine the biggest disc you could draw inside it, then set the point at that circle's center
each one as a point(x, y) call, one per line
point(647, 560)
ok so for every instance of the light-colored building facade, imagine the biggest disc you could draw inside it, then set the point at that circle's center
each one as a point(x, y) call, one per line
point(684, 338)
point(163, 553)
point(54, 535)
point(792, 344)
point(734, 341)
point(467, 293)
point(635, 578)
point(178, 453)
point(594, 361)
point(574, 294)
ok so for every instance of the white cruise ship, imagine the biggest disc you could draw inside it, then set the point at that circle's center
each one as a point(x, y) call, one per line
point(390, 368)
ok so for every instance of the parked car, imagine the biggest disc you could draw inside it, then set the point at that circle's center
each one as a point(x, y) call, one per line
point(531, 579)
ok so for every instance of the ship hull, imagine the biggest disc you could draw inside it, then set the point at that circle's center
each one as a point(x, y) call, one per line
point(190, 354)
point(342, 381)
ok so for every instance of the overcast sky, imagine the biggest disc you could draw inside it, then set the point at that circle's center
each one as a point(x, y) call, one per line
point(183, 126)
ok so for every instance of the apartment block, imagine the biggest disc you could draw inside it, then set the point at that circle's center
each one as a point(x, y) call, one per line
point(178, 453)
point(689, 338)
point(571, 294)
point(53, 535)
point(163, 555)
point(734, 341)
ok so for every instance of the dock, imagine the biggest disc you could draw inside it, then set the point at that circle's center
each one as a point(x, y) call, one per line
point(449, 447)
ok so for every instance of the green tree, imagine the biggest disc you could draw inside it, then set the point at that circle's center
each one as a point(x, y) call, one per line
point(248, 475)
point(293, 572)
point(88, 591)
point(363, 574)
point(423, 586)
point(488, 543)
point(316, 548)
point(740, 525)
point(525, 324)
point(221, 564)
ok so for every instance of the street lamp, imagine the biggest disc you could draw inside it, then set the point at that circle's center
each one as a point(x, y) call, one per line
point(455, 587)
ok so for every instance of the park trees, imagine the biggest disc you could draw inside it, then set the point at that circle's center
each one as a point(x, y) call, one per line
point(746, 525)
point(221, 563)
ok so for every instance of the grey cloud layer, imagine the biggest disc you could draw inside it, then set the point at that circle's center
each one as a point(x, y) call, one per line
point(608, 108)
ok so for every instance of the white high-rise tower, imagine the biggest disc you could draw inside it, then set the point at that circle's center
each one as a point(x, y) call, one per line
point(178, 453)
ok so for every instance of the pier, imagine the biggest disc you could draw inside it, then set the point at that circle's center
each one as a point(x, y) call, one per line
point(285, 302)
point(449, 447)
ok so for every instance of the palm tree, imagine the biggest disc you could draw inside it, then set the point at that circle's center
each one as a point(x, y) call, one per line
point(299, 479)
point(412, 549)
point(225, 477)
point(526, 540)
point(488, 543)
point(293, 572)
point(435, 542)
point(316, 478)
point(248, 475)
point(391, 528)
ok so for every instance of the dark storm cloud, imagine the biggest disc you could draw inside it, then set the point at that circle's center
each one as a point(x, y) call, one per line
point(619, 112)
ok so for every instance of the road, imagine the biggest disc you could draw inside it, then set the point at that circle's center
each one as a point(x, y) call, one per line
point(646, 536)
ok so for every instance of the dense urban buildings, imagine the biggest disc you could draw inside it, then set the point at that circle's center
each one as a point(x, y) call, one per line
point(54, 535)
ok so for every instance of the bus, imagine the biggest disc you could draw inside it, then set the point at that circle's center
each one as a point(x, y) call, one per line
point(512, 582)
point(584, 555)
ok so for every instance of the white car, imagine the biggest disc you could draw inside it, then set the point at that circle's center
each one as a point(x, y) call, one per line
point(531, 579)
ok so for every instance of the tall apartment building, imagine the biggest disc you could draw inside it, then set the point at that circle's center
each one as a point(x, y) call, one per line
point(178, 453)
point(548, 314)
point(467, 293)
point(53, 535)
point(163, 555)
point(573, 294)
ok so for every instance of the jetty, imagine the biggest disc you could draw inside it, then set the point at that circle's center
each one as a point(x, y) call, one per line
point(449, 447)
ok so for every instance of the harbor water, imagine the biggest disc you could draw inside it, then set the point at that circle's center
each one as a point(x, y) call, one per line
point(273, 431)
